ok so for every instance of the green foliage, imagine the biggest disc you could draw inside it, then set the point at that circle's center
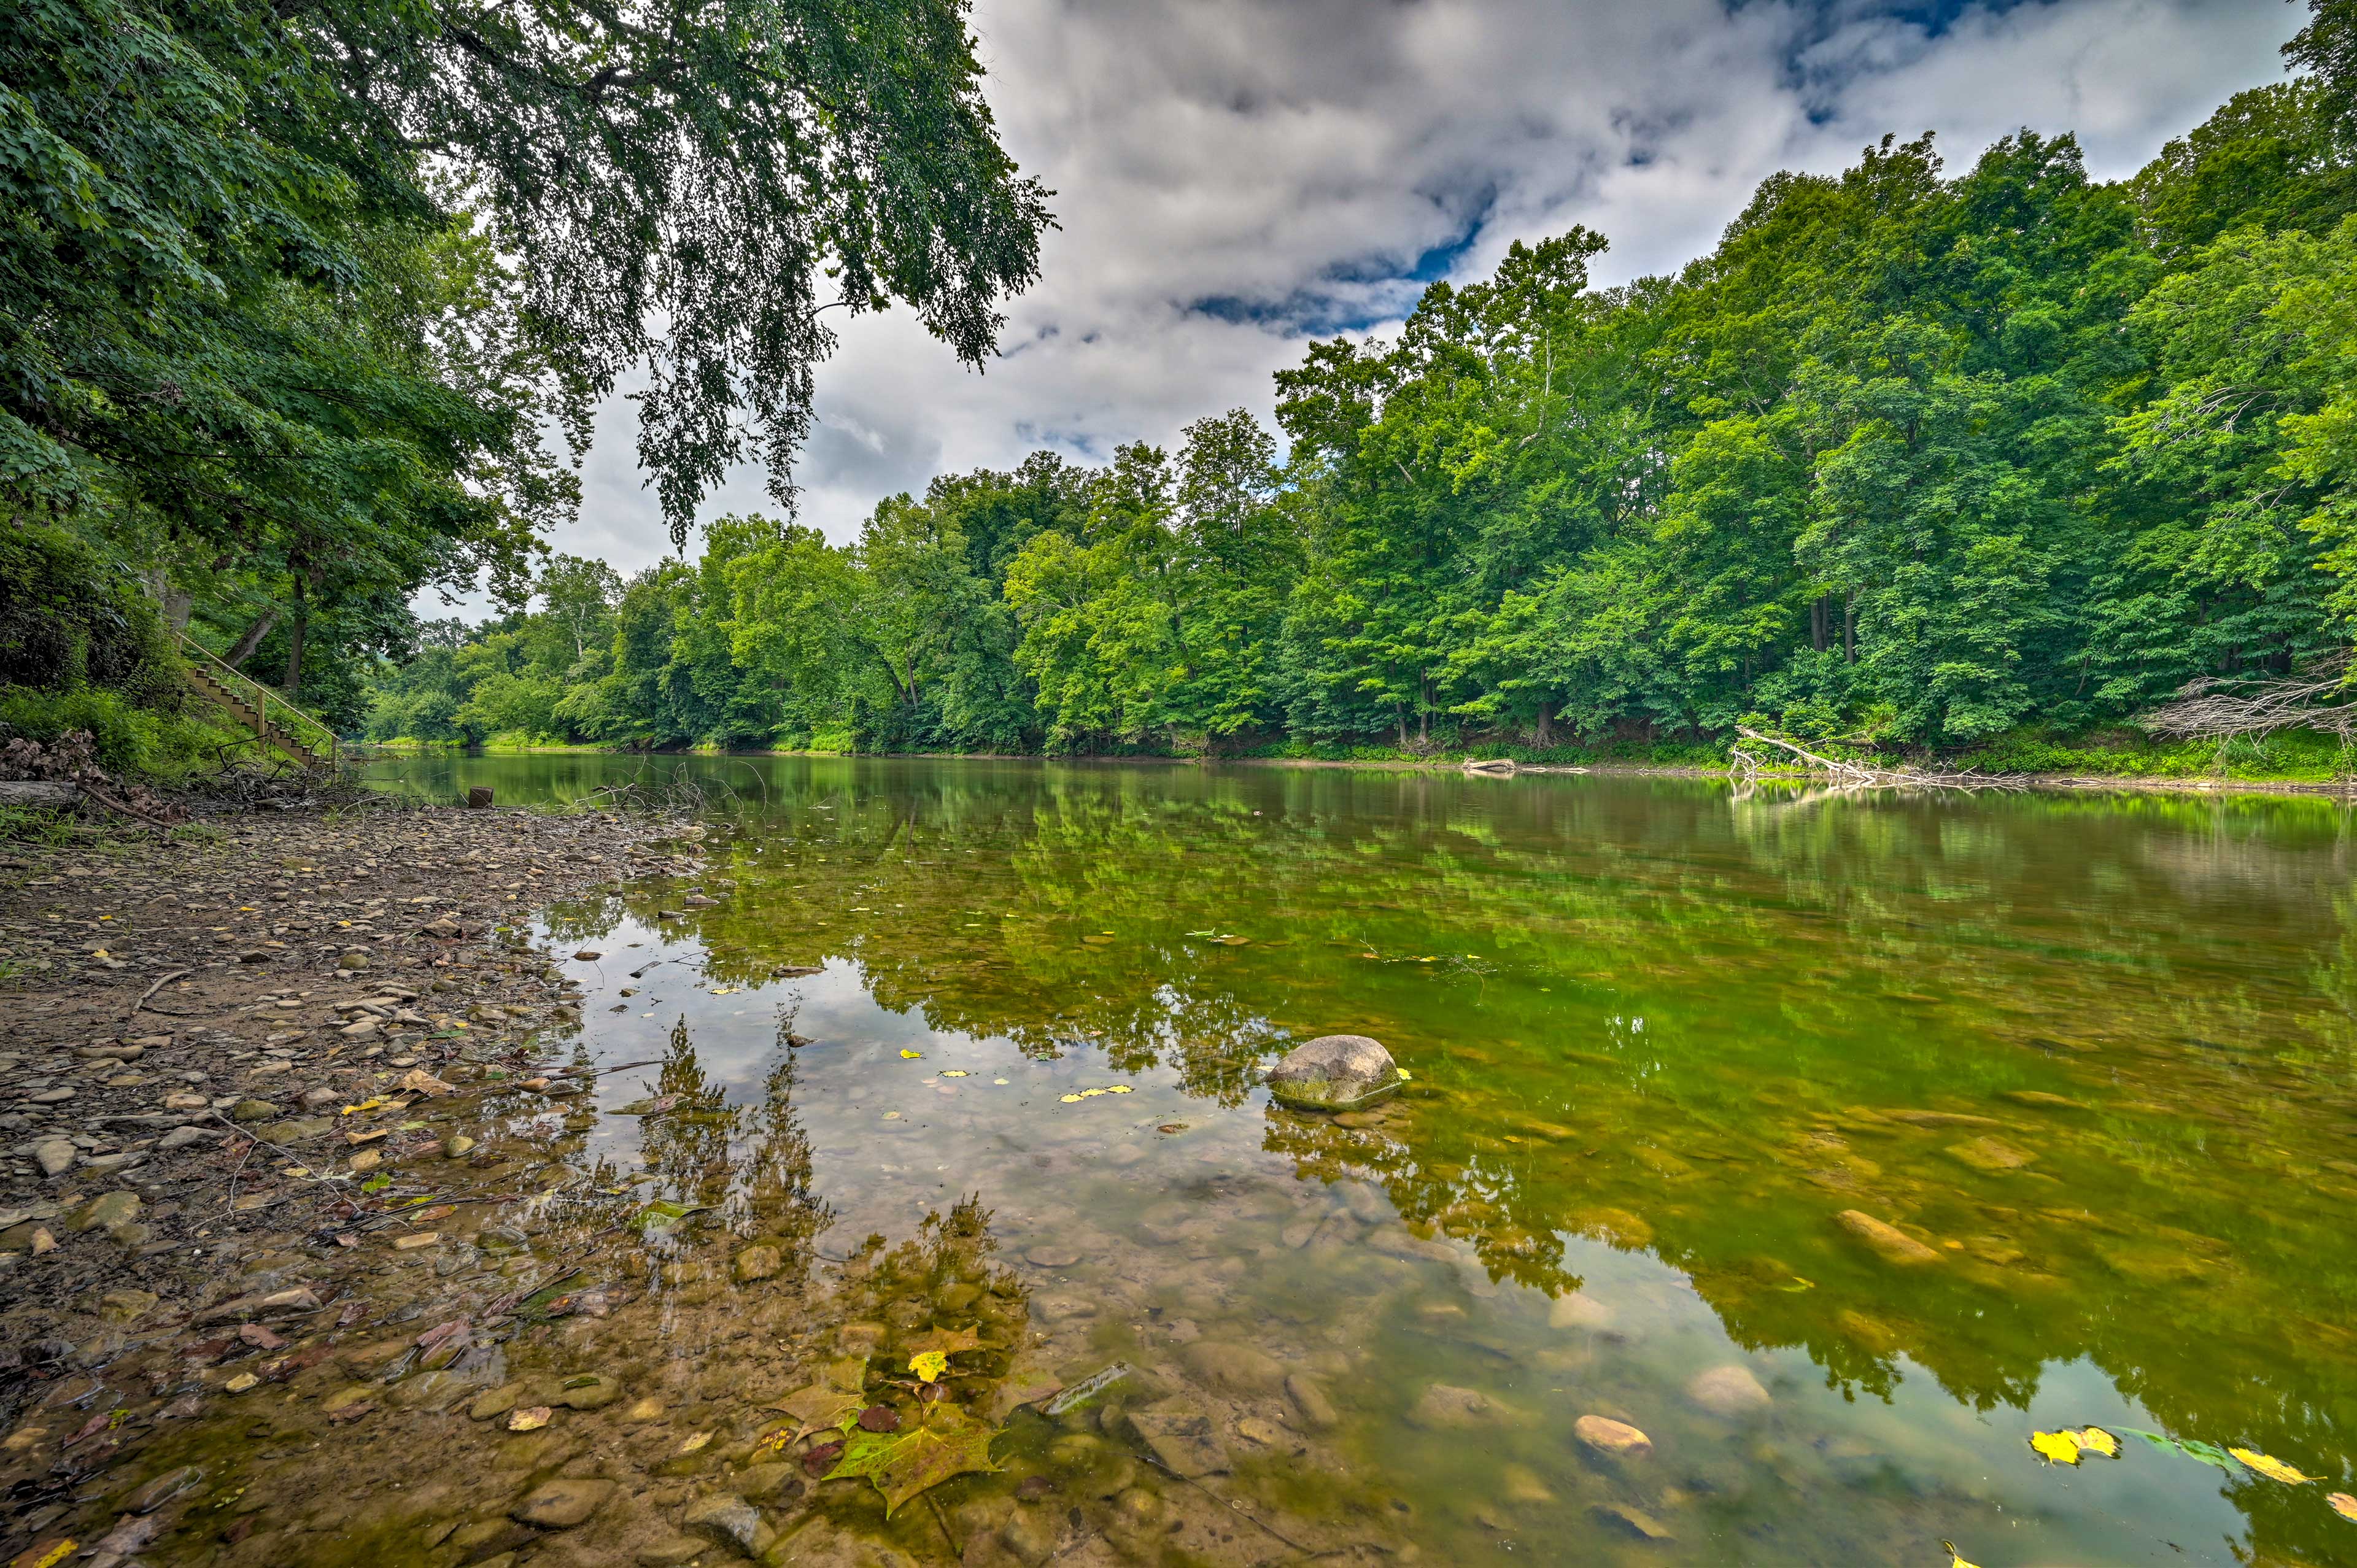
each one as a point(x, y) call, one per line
point(1920, 458)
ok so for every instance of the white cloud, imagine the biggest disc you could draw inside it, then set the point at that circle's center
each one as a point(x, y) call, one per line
point(1229, 171)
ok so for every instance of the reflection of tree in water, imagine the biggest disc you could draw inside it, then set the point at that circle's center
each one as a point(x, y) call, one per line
point(686, 1146)
point(776, 1197)
point(1791, 966)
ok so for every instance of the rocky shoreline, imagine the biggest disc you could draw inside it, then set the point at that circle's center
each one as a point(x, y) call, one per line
point(218, 1039)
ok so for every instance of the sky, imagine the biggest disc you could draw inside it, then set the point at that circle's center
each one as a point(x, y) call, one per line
point(1234, 176)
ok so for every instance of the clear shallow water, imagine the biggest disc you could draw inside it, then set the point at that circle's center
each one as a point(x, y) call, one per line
point(1658, 1038)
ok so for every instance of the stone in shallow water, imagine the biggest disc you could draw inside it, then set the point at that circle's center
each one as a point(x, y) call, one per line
point(1578, 1310)
point(728, 1521)
point(1894, 1245)
point(1992, 1157)
point(1446, 1407)
point(1334, 1072)
point(1180, 1436)
point(1729, 1391)
point(1607, 1436)
point(758, 1263)
point(1233, 1369)
point(562, 1504)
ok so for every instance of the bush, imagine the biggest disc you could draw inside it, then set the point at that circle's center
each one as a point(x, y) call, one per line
point(158, 744)
point(70, 619)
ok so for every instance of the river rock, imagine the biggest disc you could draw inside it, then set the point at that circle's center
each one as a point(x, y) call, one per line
point(727, 1520)
point(1729, 1391)
point(562, 1504)
point(181, 1137)
point(1317, 1411)
point(1892, 1244)
point(758, 1263)
point(1446, 1407)
point(246, 1112)
point(1617, 1438)
point(106, 1212)
point(1232, 1368)
point(1334, 1072)
point(1578, 1310)
point(590, 1391)
point(56, 1156)
point(1180, 1436)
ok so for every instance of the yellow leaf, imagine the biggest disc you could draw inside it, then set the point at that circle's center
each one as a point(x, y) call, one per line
point(1119, 1089)
point(1954, 1559)
point(911, 1056)
point(1090, 1094)
point(955, 1072)
point(2056, 1447)
point(928, 1366)
point(2272, 1469)
point(1068, 1098)
point(2344, 1505)
point(2096, 1440)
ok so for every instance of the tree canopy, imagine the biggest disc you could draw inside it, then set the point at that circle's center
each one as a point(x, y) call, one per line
point(1916, 454)
point(299, 302)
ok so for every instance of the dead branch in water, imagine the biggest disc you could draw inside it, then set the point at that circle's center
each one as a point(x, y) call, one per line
point(1743, 767)
point(2228, 707)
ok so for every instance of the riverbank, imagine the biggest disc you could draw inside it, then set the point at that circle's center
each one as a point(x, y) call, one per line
point(2313, 776)
point(236, 1054)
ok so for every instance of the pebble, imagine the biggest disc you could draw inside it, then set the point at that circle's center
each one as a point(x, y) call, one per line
point(758, 1263)
point(1232, 1368)
point(55, 1155)
point(1317, 1411)
point(1446, 1407)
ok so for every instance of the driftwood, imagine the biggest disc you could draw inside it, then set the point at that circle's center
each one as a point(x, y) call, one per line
point(37, 792)
point(1501, 766)
point(1743, 767)
point(2225, 708)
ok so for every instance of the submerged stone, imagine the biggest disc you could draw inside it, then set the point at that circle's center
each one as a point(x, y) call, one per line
point(562, 1504)
point(1894, 1245)
point(1729, 1391)
point(1334, 1072)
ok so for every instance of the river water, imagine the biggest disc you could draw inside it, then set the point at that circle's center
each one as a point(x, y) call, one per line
point(2088, 1059)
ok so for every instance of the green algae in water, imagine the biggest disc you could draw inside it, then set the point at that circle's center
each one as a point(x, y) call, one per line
point(2090, 1058)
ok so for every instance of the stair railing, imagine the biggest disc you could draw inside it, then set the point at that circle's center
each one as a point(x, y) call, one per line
point(307, 732)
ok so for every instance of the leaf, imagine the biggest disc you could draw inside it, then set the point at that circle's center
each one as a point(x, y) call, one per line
point(832, 1400)
point(2096, 1440)
point(911, 1056)
point(376, 1183)
point(2207, 1453)
point(2056, 1447)
point(944, 1341)
point(904, 1462)
point(2273, 1469)
point(955, 1072)
point(1955, 1559)
point(1120, 1088)
point(2344, 1505)
point(1068, 1098)
point(929, 1365)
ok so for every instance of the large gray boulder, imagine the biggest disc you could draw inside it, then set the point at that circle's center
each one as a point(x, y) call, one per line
point(1334, 1072)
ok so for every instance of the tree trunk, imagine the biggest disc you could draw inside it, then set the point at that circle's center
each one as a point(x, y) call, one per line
point(236, 656)
point(1543, 732)
point(1820, 614)
point(293, 684)
point(1849, 629)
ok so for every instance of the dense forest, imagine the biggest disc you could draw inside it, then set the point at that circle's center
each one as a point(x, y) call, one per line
point(303, 310)
point(1916, 454)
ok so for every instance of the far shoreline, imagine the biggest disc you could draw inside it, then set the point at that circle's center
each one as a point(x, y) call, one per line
point(2045, 783)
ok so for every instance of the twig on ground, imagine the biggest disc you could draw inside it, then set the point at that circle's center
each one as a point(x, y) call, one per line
point(151, 990)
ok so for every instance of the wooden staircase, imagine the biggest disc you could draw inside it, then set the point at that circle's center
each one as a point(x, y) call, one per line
point(276, 724)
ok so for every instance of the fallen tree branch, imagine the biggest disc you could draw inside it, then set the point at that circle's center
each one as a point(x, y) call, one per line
point(2223, 708)
point(151, 990)
point(1743, 766)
